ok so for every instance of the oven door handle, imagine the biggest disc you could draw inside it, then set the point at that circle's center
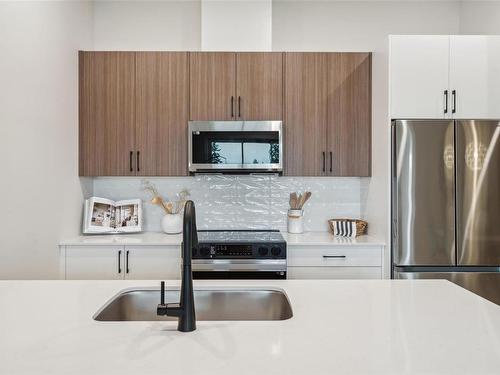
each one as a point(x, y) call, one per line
point(222, 265)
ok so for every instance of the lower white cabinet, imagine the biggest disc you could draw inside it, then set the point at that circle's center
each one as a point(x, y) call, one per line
point(334, 262)
point(93, 262)
point(120, 262)
point(152, 262)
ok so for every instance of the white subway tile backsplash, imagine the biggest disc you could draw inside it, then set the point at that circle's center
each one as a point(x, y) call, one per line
point(245, 202)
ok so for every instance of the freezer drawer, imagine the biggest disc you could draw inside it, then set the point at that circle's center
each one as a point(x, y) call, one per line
point(478, 192)
point(423, 193)
point(484, 284)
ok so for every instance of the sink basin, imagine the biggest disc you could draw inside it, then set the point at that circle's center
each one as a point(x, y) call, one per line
point(210, 304)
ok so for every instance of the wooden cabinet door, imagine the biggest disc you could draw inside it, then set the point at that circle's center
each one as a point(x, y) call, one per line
point(419, 66)
point(107, 113)
point(475, 76)
point(259, 86)
point(95, 263)
point(212, 86)
point(162, 99)
point(305, 113)
point(152, 263)
point(349, 114)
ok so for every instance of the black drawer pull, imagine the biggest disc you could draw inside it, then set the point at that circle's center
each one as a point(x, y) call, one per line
point(119, 261)
point(334, 256)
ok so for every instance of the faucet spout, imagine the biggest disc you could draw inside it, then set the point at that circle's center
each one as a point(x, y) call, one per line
point(184, 310)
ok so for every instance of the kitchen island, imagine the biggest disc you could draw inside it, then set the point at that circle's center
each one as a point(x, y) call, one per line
point(338, 327)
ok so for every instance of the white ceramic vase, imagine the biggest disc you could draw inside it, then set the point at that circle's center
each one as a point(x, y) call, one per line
point(172, 223)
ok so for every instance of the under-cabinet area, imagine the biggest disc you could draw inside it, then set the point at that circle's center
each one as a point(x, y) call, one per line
point(134, 108)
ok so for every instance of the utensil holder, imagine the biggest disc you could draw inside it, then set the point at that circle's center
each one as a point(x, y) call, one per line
point(172, 223)
point(295, 223)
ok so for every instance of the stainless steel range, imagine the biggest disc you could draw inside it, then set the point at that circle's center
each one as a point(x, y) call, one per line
point(239, 254)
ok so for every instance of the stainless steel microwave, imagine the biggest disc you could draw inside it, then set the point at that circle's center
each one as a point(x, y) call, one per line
point(235, 146)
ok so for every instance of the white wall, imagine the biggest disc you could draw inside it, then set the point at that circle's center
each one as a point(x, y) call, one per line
point(236, 25)
point(147, 25)
point(40, 192)
point(480, 17)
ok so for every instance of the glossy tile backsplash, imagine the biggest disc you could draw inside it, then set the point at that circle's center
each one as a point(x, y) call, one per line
point(245, 202)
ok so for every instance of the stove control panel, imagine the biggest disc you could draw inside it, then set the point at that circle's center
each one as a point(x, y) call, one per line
point(242, 250)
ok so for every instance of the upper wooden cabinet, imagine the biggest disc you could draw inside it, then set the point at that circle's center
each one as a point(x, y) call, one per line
point(306, 114)
point(328, 114)
point(161, 104)
point(349, 114)
point(106, 113)
point(259, 86)
point(133, 113)
point(236, 86)
point(135, 108)
point(212, 85)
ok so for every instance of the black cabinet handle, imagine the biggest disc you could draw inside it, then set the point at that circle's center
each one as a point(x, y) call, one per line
point(454, 97)
point(239, 106)
point(445, 101)
point(138, 162)
point(331, 161)
point(130, 160)
point(324, 161)
point(126, 262)
point(334, 256)
point(232, 106)
point(119, 261)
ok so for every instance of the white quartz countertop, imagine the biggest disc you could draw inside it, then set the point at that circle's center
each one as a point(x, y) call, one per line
point(338, 327)
point(162, 239)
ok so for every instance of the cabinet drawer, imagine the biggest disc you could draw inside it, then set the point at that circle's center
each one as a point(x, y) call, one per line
point(324, 256)
point(332, 273)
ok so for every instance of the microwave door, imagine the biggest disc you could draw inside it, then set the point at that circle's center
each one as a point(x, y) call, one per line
point(235, 147)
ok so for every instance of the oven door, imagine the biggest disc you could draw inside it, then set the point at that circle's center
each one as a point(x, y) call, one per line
point(235, 146)
point(243, 269)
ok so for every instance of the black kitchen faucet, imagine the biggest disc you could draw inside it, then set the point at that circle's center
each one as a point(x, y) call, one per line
point(184, 310)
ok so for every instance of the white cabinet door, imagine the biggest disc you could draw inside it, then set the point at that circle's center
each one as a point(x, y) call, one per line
point(331, 273)
point(419, 67)
point(94, 262)
point(152, 262)
point(475, 76)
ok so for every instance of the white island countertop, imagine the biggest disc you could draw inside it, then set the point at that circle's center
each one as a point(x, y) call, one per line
point(162, 239)
point(338, 327)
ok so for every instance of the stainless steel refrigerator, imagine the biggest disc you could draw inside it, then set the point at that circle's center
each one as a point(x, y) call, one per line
point(446, 202)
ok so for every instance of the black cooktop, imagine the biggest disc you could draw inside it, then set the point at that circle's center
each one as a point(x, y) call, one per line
point(256, 236)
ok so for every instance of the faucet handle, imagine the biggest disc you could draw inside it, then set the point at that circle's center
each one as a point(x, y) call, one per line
point(162, 307)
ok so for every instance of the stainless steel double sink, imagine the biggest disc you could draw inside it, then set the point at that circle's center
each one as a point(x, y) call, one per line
point(210, 304)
